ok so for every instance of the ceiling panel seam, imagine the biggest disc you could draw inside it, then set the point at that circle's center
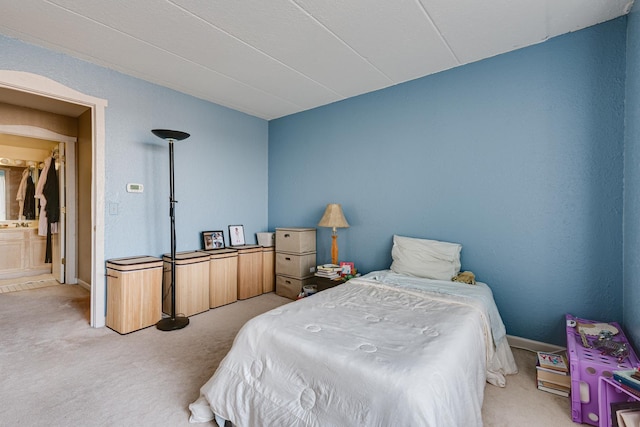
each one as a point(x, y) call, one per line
point(256, 49)
point(442, 37)
point(391, 81)
point(47, 43)
point(137, 74)
point(324, 48)
point(133, 72)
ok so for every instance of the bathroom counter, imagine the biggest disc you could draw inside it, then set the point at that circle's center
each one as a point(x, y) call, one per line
point(22, 252)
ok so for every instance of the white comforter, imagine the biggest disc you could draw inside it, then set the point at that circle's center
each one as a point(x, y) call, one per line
point(382, 352)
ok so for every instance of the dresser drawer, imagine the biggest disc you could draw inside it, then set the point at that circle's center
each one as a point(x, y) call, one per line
point(296, 240)
point(290, 287)
point(295, 265)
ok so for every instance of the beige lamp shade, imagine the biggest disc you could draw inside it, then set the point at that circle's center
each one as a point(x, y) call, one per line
point(333, 217)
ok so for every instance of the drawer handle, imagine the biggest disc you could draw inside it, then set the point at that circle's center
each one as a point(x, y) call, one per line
point(287, 258)
point(288, 281)
point(287, 235)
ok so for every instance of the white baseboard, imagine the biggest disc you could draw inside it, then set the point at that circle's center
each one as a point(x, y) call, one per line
point(532, 345)
point(84, 284)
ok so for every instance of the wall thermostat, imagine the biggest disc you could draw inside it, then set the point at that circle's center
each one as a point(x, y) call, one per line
point(135, 188)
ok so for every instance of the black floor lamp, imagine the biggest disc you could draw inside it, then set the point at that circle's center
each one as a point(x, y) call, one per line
point(174, 322)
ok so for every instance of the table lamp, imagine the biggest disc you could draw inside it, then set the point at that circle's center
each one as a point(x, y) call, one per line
point(333, 218)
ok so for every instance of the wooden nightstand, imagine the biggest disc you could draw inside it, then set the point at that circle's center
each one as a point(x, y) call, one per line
point(323, 283)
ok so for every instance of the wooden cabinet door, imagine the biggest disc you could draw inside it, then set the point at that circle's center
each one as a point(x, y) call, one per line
point(268, 270)
point(223, 281)
point(249, 272)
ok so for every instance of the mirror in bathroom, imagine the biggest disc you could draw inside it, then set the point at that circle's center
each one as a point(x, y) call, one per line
point(10, 183)
point(17, 155)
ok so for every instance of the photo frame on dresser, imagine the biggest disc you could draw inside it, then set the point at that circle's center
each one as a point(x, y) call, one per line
point(212, 239)
point(236, 235)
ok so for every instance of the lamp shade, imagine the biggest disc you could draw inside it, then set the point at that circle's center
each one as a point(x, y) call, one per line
point(170, 134)
point(333, 217)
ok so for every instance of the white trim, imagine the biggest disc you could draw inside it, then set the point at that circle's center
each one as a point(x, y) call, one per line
point(43, 86)
point(35, 132)
point(84, 284)
point(98, 282)
point(531, 345)
point(71, 224)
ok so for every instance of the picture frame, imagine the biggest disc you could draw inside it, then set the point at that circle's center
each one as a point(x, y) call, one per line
point(236, 235)
point(346, 268)
point(212, 239)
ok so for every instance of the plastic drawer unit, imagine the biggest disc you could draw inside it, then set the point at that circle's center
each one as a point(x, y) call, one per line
point(588, 365)
point(295, 260)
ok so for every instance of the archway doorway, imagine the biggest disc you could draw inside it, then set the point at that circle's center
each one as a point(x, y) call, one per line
point(48, 95)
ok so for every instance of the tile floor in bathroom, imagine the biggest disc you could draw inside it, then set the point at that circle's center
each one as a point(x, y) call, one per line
point(26, 283)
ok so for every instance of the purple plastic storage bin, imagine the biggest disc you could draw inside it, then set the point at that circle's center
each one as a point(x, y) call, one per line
point(587, 365)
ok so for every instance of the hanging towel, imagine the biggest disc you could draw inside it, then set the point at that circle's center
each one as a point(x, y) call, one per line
point(29, 200)
point(22, 189)
point(42, 222)
point(51, 192)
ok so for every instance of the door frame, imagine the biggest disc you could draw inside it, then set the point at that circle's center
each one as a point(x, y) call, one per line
point(66, 230)
point(42, 86)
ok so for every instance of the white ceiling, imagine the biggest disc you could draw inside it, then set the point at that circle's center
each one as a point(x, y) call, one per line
point(271, 58)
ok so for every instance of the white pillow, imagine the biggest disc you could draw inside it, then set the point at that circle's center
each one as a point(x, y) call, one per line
point(431, 259)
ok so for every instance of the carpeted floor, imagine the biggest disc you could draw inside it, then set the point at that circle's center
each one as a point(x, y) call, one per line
point(521, 404)
point(58, 371)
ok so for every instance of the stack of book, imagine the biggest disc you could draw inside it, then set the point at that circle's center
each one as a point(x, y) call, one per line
point(330, 271)
point(552, 373)
point(629, 380)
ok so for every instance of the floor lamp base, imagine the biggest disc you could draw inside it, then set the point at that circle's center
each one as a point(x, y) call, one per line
point(172, 323)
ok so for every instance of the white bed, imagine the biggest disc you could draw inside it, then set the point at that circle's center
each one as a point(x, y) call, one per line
point(385, 349)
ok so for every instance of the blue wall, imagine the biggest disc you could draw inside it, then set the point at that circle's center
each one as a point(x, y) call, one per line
point(632, 181)
point(221, 170)
point(518, 157)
